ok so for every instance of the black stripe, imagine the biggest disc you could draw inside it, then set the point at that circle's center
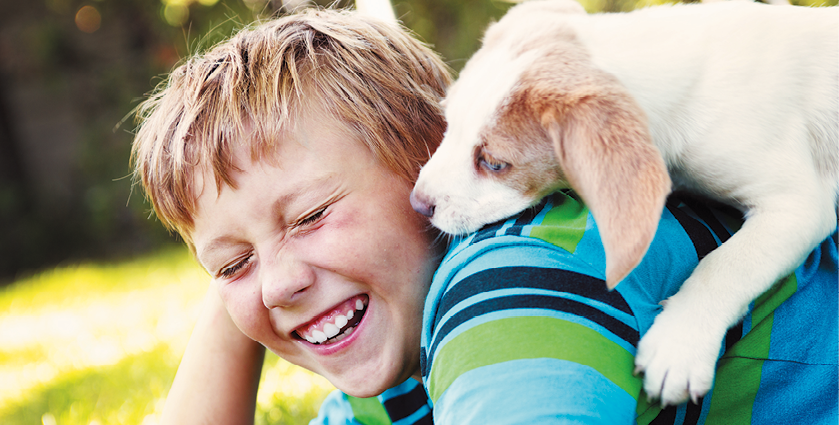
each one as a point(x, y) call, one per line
point(535, 278)
point(550, 302)
point(404, 405)
point(702, 211)
point(733, 335)
point(692, 412)
point(666, 417)
point(487, 231)
point(526, 218)
point(702, 238)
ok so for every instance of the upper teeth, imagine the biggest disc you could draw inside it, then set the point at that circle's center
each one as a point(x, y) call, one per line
point(316, 336)
point(330, 330)
point(341, 321)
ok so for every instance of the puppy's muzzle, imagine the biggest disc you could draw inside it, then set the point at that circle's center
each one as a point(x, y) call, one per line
point(422, 204)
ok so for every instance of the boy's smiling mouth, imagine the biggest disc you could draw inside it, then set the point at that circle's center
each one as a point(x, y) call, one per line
point(335, 325)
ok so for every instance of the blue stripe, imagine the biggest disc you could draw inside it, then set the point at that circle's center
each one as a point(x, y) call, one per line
point(582, 394)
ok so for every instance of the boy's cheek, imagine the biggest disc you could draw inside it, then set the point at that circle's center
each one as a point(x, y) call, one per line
point(245, 311)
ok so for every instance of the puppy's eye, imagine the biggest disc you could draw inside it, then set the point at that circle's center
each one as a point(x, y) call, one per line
point(493, 165)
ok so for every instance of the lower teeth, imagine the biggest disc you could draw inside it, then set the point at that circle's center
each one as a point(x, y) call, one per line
point(342, 335)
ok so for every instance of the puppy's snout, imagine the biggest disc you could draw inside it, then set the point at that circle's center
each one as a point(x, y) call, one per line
point(422, 204)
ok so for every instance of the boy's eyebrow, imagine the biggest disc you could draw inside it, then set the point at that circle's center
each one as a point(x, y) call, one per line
point(216, 244)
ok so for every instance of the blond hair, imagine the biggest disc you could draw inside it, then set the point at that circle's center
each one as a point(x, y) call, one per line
point(371, 76)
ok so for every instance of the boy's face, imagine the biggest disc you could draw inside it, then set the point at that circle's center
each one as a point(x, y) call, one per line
point(301, 242)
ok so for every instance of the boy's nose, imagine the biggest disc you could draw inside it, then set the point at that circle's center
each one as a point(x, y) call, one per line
point(285, 281)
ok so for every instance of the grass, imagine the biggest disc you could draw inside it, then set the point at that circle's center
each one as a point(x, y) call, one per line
point(100, 344)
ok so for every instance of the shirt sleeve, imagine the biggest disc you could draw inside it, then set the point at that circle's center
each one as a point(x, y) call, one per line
point(523, 334)
point(404, 404)
point(335, 410)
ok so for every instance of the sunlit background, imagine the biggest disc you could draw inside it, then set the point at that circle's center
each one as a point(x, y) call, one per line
point(96, 299)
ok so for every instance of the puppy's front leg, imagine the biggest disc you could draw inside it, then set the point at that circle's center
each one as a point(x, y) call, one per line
point(678, 354)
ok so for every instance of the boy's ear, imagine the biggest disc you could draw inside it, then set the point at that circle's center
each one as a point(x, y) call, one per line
point(604, 148)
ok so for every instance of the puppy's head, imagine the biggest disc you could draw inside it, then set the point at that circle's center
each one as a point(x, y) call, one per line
point(493, 173)
point(528, 118)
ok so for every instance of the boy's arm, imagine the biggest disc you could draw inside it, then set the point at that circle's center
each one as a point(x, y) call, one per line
point(218, 377)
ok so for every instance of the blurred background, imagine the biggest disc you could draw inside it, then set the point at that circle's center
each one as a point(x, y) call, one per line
point(96, 298)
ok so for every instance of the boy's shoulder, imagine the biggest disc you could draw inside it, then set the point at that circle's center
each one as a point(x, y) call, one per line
point(558, 223)
point(688, 229)
point(557, 241)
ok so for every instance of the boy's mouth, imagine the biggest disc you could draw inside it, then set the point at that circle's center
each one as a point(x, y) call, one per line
point(336, 324)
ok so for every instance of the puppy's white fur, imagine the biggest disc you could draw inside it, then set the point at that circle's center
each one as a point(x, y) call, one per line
point(733, 100)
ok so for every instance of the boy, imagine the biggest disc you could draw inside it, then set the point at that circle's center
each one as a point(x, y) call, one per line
point(323, 119)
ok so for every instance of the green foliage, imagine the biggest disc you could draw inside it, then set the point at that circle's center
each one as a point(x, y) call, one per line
point(453, 28)
point(125, 393)
point(99, 343)
point(288, 394)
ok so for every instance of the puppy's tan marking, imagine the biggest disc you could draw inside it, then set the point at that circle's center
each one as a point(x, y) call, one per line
point(592, 129)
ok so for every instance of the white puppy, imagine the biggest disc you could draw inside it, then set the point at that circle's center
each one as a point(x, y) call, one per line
point(737, 100)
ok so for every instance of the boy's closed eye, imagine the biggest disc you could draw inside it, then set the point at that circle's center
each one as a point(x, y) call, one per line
point(312, 218)
point(238, 265)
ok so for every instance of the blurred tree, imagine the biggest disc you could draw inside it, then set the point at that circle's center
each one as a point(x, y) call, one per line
point(71, 73)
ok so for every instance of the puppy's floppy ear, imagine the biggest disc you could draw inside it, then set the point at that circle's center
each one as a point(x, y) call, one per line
point(604, 148)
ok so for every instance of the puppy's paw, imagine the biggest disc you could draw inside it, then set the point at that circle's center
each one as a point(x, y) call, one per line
point(678, 356)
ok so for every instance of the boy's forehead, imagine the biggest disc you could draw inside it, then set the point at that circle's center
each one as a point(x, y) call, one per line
point(312, 148)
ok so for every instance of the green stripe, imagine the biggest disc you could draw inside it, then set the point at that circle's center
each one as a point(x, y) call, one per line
point(531, 337)
point(739, 371)
point(369, 411)
point(565, 224)
point(774, 297)
point(647, 410)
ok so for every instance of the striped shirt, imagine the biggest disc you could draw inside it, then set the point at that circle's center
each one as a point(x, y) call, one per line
point(519, 327)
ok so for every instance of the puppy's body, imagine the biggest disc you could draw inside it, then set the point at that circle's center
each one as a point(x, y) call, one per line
point(737, 101)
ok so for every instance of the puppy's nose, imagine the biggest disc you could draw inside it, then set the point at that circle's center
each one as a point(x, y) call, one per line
point(421, 204)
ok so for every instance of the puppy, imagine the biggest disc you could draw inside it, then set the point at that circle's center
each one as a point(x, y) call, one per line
point(736, 101)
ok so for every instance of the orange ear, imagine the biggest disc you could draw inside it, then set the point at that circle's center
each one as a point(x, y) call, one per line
point(603, 146)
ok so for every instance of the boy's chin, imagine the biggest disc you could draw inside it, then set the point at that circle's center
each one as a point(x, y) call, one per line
point(369, 388)
point(363, 385)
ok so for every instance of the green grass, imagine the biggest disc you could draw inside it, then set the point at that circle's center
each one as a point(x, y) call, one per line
point(100, 344)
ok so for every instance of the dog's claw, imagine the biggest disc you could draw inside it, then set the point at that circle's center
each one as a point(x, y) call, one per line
point(678, 356)
point(695, 398)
